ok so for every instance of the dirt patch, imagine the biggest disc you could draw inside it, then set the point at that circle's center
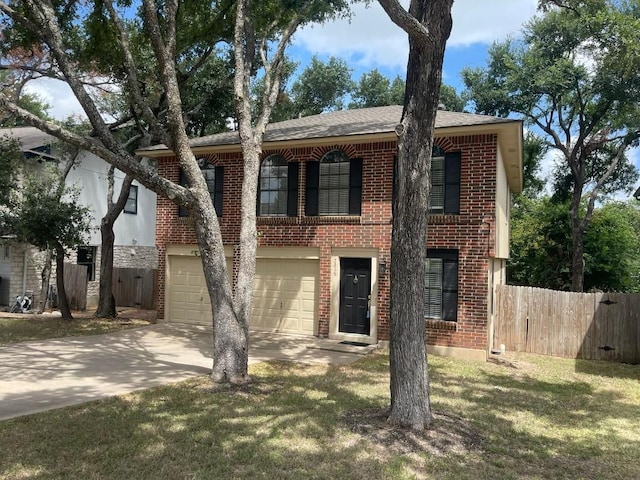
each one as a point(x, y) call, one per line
point(137, 314)
point(124, 315)
point(448, 434)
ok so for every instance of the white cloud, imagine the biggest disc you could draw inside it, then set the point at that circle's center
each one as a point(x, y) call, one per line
point(485, 22)
point(57, 94)
point(370, 39)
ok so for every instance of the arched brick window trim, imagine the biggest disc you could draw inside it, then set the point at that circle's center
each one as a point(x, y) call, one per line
point(319, 152)
point(313, 187)
point(286, 153)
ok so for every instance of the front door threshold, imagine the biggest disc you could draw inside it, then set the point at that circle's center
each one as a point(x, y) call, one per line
point(353, 337)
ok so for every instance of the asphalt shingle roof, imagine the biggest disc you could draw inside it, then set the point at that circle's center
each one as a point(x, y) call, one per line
point(343, 123)
point(30, 137)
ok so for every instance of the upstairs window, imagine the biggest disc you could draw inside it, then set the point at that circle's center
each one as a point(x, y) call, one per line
point(278, 187)
point(334, 185)
point(441, 285)
point(132, 201)
point(214, 178)
point(445, 182)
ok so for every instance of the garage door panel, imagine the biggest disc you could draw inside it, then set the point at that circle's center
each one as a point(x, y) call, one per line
point(285, 292)
point(187, 291)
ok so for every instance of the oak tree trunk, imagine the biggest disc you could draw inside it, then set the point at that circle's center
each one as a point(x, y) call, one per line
point(63, 302)
point(46, 281)
point(106, 301)
point(410, 404)
point(577, 239)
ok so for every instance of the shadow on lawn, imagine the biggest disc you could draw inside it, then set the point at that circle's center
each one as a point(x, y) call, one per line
point(276, 430)
point(545, 428)
point(608, 369)
point(289, 425)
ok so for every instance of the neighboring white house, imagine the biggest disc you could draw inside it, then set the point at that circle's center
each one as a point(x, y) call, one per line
point(135, 245)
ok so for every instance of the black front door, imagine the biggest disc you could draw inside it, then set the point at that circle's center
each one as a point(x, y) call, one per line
point(355, 295)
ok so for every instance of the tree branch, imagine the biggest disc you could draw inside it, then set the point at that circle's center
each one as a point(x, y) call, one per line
point(132, 77)
point(405, 20)
point(125, 162)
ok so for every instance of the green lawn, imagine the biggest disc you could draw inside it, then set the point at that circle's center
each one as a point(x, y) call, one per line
point(24, 328)
point(532, 417)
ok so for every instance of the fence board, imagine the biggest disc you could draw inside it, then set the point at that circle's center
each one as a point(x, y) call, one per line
point(567, 324)
point(135, 287)
point(75, 285)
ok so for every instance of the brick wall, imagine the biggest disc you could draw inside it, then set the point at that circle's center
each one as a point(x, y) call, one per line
point(470, 232)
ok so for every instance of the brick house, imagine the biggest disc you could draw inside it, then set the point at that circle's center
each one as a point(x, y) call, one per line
point(324, 223)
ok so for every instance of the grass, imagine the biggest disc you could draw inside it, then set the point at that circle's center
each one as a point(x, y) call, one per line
point(526, 418)
point(21, 329)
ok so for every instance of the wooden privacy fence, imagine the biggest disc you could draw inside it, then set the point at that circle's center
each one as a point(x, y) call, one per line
point(75, 285)
point(135, 287)
point(593, 326)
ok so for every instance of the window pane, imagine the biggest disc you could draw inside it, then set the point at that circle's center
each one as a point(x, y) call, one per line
point(274, 184)
point(334, 184)
point(131, 206)
point(433, 288)
point(437, 185)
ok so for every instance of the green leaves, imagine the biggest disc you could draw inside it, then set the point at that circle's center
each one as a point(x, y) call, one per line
point(35, 205)
point(46, 219)
point(321, 87)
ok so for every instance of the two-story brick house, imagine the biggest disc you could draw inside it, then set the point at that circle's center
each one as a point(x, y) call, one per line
point(324, 226)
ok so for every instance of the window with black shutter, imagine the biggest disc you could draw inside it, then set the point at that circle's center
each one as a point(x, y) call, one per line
point(441, 285)
point(334, 185)
point(214, 178)
point(445, 182)
point(278, 187)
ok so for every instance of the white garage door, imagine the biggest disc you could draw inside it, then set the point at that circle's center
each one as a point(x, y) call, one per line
point(284, 295)
point(187, 297)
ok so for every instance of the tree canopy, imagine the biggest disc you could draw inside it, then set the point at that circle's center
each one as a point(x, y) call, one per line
point(575, 77)
point(148, 52)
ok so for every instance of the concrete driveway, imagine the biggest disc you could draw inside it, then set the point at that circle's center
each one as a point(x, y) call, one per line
point(43, 375)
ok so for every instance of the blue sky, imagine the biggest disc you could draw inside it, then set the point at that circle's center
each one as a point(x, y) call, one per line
point(370, 40)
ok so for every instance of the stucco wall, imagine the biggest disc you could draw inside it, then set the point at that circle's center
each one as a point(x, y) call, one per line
point(130, 229)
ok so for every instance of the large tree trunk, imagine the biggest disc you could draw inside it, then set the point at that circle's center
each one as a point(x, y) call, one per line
point(106, 300)
point(46, 281)
point(230, 334)
point(577, 239)
point(410, 405)
point(63, 302)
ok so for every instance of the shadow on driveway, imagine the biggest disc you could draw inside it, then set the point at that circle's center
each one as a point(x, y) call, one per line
point(47, 374)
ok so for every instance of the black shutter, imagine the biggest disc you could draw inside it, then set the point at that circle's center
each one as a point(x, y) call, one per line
point(292, 187)
point(450, 289)
point(312, 190)
point(182, 211)
point(218, 190)
point(452, 183)
point(258, 191)
point(355, 186)
point(449, 307)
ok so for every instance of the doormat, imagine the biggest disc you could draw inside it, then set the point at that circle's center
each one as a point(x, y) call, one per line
point(355, 344)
